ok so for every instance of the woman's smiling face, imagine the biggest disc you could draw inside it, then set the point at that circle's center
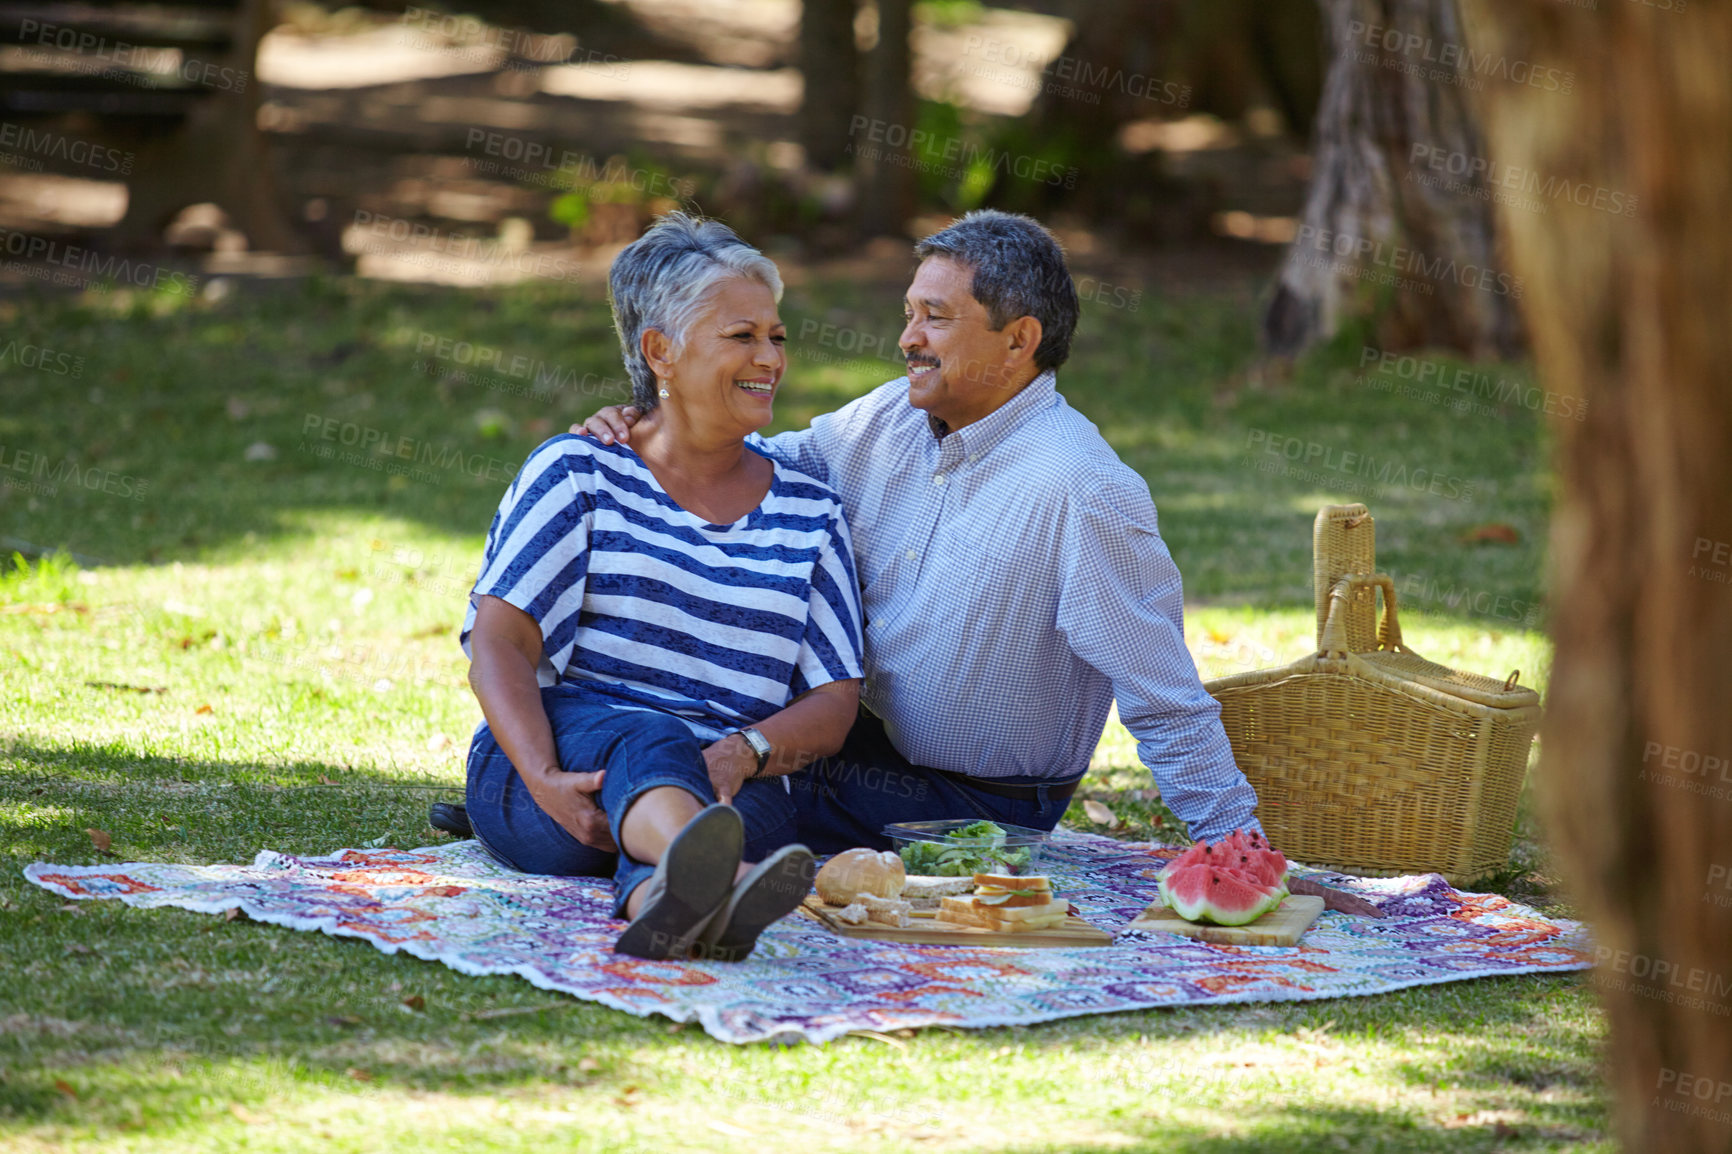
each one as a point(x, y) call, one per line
point(725, 378)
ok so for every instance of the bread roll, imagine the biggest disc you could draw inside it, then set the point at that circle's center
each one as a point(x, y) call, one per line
point(854, 872)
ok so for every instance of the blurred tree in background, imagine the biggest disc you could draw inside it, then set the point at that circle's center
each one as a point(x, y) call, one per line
point(830, 73)
point(1392, 95)
point(1151, 122)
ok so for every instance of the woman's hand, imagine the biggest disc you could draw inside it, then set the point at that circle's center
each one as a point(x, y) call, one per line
point(730, 762)
point(813, 725)
point(569, 799)
point(610, 424)
point(506, 643)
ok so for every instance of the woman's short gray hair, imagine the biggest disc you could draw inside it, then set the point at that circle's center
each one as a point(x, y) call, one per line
point(660, 280)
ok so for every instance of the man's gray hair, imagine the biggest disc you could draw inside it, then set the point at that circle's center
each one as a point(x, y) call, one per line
point(1019, 271)
point(660, 281)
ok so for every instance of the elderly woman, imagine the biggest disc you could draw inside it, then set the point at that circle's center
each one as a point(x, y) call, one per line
point(661, 633)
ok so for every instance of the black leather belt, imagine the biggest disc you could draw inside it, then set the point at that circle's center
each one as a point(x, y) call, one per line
point(1057, 791)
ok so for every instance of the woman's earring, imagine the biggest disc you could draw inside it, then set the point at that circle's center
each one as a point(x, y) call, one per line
point(665, 394)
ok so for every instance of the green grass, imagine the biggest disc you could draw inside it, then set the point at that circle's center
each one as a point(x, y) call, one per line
point(262, 653)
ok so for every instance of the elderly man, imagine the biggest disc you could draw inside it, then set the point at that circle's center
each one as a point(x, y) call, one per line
point(1014, 580)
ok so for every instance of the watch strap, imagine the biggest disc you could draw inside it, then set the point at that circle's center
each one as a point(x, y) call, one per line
point(760, 745)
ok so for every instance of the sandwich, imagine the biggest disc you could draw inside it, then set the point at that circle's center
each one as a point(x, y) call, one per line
point(1007, 904)
point(886, 911)
point(923, 893)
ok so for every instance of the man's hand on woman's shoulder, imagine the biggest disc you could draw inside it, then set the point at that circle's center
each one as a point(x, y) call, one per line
point(610, 424)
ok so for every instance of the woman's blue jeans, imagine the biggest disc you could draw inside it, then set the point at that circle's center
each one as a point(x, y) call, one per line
point(641, 750)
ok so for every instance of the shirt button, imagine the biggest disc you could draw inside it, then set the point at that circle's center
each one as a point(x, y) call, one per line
point(938, 479)
point(973, 457)
point(911, 554)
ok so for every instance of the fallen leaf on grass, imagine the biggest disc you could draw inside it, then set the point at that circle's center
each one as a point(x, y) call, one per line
point(1100, 814)
point(233, 913)
point(513, 1011)
point(415, 1002)
point(204, 709)
point(347, 1021)
point(358, 1074)
point(245, 1115)
point(588, 1065)
point(323, 780)
point(65, 1088)
point(127, 688)
point(878, 1037)
point(99, 839)
point(1496, 532)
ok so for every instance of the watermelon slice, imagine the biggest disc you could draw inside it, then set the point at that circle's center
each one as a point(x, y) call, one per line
point(1225, 897)
point(1231, 882)
point(1250, 852)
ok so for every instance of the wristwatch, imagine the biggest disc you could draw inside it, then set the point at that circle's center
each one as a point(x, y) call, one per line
point(760, 746)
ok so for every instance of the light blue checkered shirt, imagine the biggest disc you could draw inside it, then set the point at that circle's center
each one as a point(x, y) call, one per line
point(1014, 582)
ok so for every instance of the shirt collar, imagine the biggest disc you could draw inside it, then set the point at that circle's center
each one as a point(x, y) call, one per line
point(978, 438)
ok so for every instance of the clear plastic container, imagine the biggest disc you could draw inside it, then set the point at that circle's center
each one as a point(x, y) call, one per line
point(1019, 850)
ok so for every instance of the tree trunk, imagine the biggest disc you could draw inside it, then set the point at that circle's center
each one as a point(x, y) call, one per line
point(1627, 301)
point(1377, 215)
point(1079, 102)
point(218, 155)
point(886, 174)
point(1283, 39)
point(830, 72)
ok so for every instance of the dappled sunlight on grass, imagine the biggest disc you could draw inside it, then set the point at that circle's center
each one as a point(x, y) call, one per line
point(262, 653)
point(1177, 1080)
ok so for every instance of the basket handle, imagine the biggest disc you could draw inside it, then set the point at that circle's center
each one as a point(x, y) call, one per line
point(1335, 630)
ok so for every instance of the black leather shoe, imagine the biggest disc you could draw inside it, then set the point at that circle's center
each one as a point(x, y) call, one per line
point(450, 817)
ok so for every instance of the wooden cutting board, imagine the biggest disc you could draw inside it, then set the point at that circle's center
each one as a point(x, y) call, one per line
point(927, 930)
point(1278, 927)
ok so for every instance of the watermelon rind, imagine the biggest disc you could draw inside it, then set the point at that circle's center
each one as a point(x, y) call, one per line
point(1233, 882)
point(1219, 895)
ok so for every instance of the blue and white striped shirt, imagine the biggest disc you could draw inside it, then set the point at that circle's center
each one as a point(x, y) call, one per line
point(1014, 581)
point(718, 625)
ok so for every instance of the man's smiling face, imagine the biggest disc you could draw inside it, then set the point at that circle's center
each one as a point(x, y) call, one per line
point(959, 369)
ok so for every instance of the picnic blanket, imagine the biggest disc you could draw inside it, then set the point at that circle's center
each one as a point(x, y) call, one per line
point(455, 905)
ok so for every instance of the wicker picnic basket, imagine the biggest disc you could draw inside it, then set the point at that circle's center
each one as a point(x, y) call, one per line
point(1365, 756)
